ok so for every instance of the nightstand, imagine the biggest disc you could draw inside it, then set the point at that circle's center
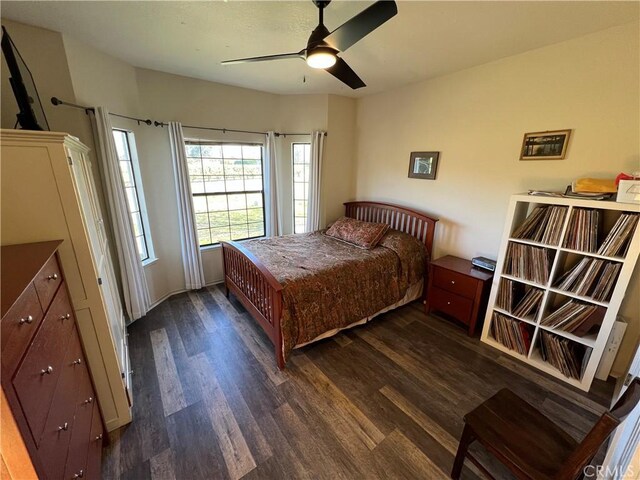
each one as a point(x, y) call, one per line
point(458, 289)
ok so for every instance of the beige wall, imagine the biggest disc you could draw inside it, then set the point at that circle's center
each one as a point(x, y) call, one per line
point(476, 119)
point(99, 79)
point(44, 53)
point(338, 169)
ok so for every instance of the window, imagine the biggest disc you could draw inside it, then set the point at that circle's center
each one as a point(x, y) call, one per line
point(301, 155)
point(227, 189)
point(125, 146)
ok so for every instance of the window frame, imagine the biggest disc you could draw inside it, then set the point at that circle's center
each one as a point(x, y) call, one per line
point(198, 142)
point(139, 190)
point(293, 187)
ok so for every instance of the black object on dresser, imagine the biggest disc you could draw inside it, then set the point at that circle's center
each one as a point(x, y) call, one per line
point(44, 372)
point(458, 289)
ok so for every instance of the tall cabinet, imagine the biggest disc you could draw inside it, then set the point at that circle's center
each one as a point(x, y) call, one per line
point(562, 273)
point(48, 193)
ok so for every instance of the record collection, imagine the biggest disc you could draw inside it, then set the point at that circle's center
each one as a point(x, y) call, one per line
point(582, 232)
point(569, 357)
point(528, 262)
point(561, 274)
point(591, 277)
point(544, 225)
point(575, 317)
point(520, 300)
point(617, 242)
point(512, 334)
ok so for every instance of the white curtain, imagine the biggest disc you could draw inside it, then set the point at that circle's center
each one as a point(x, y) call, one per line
point(272, 212)
point(134, 283)
point(191, 259)
point(315, 174)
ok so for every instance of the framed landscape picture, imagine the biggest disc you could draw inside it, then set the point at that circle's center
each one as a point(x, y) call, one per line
point(423, 165)
point(545, 145)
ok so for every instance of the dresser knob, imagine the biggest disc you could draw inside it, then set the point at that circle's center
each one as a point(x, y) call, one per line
point(65, 317)
point(53, 277)
point(29, 319)
point(47, 371)
point(80, 474)
point(99, 437)
point(448, 303)
point(64, 427)
point(77, 362)
point(453, 282)
point(89, 400)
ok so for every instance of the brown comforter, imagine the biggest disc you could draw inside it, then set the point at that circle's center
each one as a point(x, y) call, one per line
point(329, 284)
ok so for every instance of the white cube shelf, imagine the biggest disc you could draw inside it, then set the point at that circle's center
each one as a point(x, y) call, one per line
point(561, 260)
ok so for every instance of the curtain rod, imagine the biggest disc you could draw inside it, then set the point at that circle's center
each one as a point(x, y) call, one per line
point(56, 101)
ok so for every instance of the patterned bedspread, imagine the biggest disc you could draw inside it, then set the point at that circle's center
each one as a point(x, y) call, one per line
point(329, 284)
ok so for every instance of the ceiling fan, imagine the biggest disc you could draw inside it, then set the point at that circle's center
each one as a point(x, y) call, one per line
point(323, 46)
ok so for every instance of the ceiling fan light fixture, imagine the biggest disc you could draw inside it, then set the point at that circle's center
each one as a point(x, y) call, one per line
point(324, 46)
point(321, 58)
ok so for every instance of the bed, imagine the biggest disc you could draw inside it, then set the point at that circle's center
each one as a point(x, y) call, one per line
point(302, 288)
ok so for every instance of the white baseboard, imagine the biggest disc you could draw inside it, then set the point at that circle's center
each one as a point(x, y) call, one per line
point(176, 292)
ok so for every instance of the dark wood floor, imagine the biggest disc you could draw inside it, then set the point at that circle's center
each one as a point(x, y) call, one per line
point(384, 400)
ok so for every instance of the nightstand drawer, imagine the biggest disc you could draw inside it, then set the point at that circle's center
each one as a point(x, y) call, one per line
point(458, 307)
point(454, 282)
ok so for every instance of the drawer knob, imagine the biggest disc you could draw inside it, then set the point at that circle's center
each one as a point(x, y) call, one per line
point(453, 282)
point(29, 319)
point(77, 362)
point(64, 427)
point(99, 437)
point(80, 474)
point(47, 371)
point(53, 277)
point(448, 303)
point(65, 317)
point(89, 400)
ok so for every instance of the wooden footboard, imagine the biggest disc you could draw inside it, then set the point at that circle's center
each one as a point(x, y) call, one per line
point(257, 289)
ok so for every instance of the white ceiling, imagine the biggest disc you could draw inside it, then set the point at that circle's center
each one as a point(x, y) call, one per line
point(426, 39)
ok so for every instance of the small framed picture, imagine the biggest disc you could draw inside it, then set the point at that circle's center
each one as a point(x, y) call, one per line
point(545, 145)
point(423, 165)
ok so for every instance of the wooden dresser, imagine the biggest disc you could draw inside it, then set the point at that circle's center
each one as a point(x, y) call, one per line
point(458, 289)
point(44, 371)
point(47, 191)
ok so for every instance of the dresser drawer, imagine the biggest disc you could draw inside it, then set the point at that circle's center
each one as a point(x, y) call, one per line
point(61, 422)
point(458, 307)
point(94, 459)
point(81, 435)
point(36, 378)
point(19, 325)
point(454, 282)
point(47, 281)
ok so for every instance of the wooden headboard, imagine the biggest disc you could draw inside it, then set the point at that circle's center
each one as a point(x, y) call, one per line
point(399, 218)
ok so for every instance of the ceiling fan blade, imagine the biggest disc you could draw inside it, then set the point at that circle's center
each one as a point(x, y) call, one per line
point(265, 58)
point(343, 72)
point(361, 25)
